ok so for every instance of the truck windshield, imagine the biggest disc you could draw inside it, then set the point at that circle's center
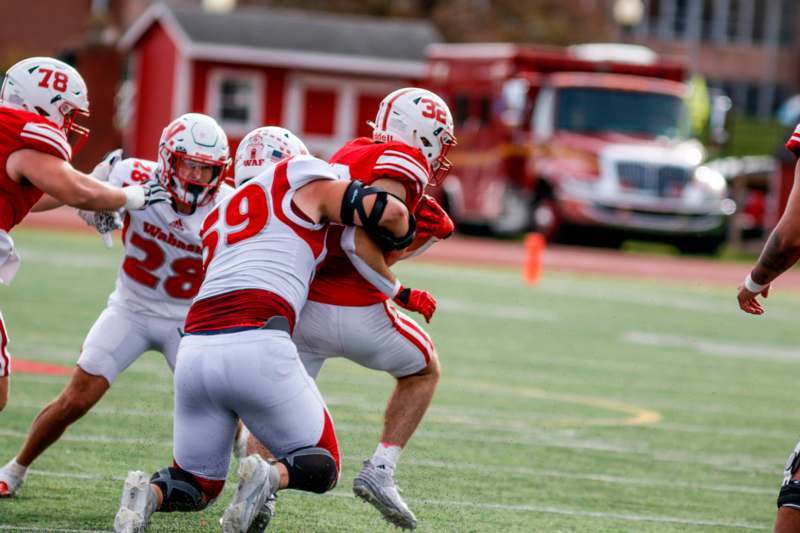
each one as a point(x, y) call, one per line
point(596, 110)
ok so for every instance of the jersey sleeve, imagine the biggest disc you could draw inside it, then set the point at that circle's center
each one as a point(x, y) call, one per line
point(302, 170)
point(793, 144)
point(404, 164)
point(45, 138)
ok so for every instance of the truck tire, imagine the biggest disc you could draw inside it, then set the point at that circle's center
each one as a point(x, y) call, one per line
point(706, 245)
point(546, 215)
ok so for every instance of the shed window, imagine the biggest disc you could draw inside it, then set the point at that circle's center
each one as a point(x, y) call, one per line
point(236, 99)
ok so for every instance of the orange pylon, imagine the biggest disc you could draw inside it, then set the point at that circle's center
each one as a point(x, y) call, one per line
point(532, 265)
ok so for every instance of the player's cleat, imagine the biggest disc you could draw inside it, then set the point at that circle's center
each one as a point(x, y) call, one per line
point(257, 482)
point(137, 504)
point(261, 521)
point(375, 485)
point(11, 478)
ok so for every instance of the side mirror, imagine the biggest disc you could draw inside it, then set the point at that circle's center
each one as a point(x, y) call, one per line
point(515, 97)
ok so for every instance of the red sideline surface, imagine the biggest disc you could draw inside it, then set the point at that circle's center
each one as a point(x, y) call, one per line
point(555, 258)
point(22, 366)
point(559, 258)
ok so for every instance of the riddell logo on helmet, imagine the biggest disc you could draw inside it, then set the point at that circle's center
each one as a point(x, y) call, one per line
point(383, 137)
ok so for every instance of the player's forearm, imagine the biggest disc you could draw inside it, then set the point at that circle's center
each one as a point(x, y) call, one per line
point(92, 195)
point(780, 252)
point(368, 259)
point(46, 203)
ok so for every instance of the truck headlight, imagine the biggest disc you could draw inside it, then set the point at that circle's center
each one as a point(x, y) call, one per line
point(711, 180)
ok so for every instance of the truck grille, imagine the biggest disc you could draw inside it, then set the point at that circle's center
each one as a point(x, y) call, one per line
point(666, 181)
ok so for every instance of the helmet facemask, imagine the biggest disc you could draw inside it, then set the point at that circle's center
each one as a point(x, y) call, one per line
point(191, 180)
point(192, 158)
point(440, 165)
point(77, 135)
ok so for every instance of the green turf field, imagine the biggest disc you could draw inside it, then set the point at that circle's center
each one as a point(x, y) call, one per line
point(584, 404)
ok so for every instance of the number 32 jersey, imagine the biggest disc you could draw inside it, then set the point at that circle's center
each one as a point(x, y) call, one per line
point(162, 269)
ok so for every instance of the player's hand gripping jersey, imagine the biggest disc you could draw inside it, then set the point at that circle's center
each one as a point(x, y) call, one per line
point(21, 130)
point(162, 270)
point(260, 252)
point(337, 281)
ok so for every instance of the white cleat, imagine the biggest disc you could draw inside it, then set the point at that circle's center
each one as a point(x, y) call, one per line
point(263, 517)
point(257, 481)
point(375, 485)
point(137, 504)
point(11, 479)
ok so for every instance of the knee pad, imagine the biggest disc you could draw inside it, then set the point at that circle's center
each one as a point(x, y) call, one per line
point(182, 491)
point(789, 495)
point(311, 470)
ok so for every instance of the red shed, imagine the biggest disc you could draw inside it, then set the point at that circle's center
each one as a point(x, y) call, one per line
point(320, 75)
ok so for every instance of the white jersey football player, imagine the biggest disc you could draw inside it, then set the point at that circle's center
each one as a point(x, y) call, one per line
point(348, 313)
point(160, 274)
point(261, 248)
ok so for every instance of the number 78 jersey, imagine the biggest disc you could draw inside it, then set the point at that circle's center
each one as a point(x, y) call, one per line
point(162, 269)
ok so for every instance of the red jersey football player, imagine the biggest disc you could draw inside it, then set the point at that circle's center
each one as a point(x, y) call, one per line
point(39, 101)
point(347, 316)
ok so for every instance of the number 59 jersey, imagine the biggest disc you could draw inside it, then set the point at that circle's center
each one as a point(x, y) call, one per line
point(162, 269)
point(260, 251)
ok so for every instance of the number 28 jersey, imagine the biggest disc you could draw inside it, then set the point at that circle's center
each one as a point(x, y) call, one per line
point(162, 269)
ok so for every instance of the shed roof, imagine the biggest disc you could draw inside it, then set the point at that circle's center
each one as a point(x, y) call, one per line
point(259, 34)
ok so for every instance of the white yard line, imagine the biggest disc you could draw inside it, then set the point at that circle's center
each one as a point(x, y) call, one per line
point(597, 290)
point(68, 259)
point(734, 350)
point(719, 461)
point(487, 310)
point(489, 505)
point(509, 469)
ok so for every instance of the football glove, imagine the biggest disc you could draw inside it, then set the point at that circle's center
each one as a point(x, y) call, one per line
point(102, 170)
point(432, 219)
point(145, 195)
point(421, 302)
point(104, 222)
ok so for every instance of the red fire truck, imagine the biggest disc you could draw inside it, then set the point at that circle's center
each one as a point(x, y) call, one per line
point(591, 136)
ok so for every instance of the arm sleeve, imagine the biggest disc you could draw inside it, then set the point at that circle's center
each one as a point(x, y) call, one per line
point(45, 138)
point(375, 278)
point(405, 165)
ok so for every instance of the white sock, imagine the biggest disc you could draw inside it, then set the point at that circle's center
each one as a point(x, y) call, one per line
point(386, 455)
point(15, 469)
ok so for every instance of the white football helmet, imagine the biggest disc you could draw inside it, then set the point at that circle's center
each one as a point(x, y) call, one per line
point(419, 118)
point(194, 140)
point(50, 88)
point(262, 148)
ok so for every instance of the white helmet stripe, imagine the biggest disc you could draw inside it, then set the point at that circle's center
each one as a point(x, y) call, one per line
point(405, 155)
point(389, 106)
point(403, 167)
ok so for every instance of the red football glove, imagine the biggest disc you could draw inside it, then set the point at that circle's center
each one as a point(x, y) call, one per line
point(415, 300)
point(432, 219)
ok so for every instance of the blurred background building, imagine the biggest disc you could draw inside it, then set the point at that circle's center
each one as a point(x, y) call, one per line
point(320, 67)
